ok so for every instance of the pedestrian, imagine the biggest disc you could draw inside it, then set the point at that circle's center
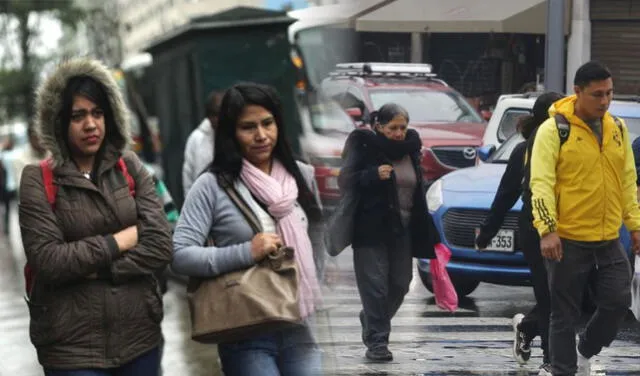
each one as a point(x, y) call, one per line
point(514, 180)
point(635, 146)
point(199, 149)
point(7, 159)
point(94, 232)
point(253, 155)
point(391, 222)
point(172, 214)
point(31, 153)
point(583, 185)
point(169, 206)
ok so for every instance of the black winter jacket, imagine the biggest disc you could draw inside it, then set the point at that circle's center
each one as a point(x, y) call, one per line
point(377, 218)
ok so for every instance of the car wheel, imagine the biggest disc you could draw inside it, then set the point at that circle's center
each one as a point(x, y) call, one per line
point(426, 280)
point(462, 286)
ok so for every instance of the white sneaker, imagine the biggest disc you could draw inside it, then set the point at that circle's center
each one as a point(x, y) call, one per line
point(584, 365)
point(545, 370)
point(521, 344)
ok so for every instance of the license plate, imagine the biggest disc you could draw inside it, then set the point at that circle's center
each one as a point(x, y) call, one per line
point(331, 182)
point(504, 241)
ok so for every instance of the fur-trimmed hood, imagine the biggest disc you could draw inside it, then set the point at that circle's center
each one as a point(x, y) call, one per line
point(49, 98)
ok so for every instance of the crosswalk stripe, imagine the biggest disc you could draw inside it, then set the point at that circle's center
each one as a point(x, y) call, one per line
point(425, 333)
point(416, 323)
point(410, 308)
point(13, 310)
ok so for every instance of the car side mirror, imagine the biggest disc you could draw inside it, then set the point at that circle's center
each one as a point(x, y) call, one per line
point(485, 152)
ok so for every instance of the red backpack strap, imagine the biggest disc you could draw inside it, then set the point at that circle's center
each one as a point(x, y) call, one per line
point(51, 190)
point(47, 179)
point(122, 166)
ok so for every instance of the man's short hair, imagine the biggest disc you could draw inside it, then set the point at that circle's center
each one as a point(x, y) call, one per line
point(589, 72)
point(212, 105)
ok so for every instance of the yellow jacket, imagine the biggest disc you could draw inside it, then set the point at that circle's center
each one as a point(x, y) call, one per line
point(582, 190)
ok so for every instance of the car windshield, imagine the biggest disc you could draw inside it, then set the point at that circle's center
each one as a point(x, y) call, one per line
point(503, 153)
point(327, 116)
point(428, 106)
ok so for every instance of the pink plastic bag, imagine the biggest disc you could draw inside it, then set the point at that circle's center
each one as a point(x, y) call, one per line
point(446, 296)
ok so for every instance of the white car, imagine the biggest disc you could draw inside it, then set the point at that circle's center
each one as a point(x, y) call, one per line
point(511, 107)
point(508, 110)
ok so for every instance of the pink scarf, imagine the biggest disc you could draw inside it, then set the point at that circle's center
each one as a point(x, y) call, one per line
point(279, 192)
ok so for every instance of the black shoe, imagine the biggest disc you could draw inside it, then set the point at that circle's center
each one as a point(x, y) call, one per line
point(379, 354)
point(521, 344)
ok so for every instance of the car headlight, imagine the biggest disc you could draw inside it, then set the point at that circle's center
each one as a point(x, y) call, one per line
point(434, 196)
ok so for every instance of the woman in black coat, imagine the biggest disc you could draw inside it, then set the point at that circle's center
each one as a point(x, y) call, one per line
point(392, 222)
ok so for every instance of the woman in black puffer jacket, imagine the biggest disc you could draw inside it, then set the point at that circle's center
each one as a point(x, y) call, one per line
point(392, 223)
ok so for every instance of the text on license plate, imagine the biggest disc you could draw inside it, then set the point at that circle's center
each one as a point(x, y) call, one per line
point(504, 241)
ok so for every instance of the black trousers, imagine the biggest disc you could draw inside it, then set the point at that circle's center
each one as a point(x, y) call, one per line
point(536, 322)
point(567, 281)
point(383, 276)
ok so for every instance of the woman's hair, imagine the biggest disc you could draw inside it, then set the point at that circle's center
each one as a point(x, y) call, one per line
point(93, 91)
point(540, 113)
point(228, 156)
point(386, 113)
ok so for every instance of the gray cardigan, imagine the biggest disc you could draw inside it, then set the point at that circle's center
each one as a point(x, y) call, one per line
point(208, 210)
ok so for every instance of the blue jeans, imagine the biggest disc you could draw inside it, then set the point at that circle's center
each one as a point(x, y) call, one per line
point(290, 352)
point(147, 364)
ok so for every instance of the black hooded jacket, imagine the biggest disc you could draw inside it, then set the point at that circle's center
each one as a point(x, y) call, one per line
point(377, 216)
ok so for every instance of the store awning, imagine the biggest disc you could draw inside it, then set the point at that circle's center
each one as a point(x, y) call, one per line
point(461, 16)
point(339, 15)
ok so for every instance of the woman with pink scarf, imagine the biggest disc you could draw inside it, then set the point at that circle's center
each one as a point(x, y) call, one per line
point(251, 153)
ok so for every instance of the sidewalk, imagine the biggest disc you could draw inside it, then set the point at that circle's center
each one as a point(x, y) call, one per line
point(14, 243)
point(17, 355)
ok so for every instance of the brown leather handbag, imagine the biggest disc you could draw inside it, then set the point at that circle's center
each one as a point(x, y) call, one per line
point(243, 304)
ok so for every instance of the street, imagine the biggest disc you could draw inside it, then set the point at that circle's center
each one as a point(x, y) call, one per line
point(425, 340)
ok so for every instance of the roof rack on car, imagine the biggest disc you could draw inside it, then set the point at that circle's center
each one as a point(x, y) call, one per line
point(383, 70)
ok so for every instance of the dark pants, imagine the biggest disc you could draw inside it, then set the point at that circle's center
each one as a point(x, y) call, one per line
point(383, 276)
point(567, 281)
point(536, 322)
point(147, 364)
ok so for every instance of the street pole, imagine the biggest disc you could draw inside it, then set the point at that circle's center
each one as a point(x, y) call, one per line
point(554, 52)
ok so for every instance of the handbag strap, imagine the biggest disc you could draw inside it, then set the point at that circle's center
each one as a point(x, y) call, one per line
point(241, 204)
point(247, 213)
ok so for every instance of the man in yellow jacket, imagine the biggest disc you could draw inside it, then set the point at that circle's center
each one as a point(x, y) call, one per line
point(583, 183)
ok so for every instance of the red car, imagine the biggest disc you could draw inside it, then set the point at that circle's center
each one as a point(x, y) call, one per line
point(450, 128)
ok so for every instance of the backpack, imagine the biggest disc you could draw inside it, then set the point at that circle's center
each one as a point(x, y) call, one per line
point(51, 189)
point(564, 128)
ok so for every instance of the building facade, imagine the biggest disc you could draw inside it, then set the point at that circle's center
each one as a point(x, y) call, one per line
point(142, 21)
point(96, 35)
